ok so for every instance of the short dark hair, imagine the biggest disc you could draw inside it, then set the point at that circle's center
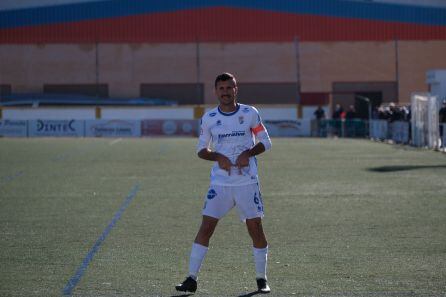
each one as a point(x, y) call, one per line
point(224, 77)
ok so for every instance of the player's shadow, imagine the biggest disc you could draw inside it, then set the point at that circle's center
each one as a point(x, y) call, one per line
point(182, 295)
point(249, 294)
point(404, 168)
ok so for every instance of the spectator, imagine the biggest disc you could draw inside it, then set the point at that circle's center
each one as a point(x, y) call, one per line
point(375, 113)
point(336, 123)
point(395, 113)
point(319, 113)
point(337, 112)
point(406, 113)
point(351, 113)
point(442, 113)
point(442, 120)
point(383, 113)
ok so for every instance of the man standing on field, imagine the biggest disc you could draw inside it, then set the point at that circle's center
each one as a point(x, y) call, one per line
point(231, 128)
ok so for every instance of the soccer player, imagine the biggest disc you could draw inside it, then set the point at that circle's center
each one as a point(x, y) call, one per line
point(232, 134)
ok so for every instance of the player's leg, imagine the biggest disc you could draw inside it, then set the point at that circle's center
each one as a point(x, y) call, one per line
point(206, 230)
point(255, 230)
point(201, 244)
point(250, 207)
point(217, 204)
point(198, 253)
point(260, 252)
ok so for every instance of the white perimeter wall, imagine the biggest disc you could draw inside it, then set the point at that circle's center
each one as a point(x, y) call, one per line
point(141, 113)
point(28, 113)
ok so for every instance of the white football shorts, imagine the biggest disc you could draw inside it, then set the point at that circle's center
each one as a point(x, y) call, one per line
point(219, 200)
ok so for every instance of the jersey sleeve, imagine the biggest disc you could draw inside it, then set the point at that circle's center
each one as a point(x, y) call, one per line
point(205, 136)
point(259, 130)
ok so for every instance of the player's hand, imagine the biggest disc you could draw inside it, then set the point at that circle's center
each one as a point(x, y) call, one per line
point(242, 160)
point(224, 163)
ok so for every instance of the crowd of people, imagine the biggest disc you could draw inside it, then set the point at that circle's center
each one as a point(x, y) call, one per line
point(389, 112)
point(338, 113)
point(392, 113)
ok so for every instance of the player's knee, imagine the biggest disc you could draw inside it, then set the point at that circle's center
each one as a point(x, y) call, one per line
point(254, 225)
point(255, 229)
point(206, 230)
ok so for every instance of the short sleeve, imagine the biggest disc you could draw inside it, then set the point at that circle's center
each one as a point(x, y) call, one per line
point(204, 137)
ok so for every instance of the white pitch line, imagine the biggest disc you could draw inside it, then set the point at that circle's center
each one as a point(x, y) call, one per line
point(115, 141)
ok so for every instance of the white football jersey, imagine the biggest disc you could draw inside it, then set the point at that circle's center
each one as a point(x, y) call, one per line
point(230, 134)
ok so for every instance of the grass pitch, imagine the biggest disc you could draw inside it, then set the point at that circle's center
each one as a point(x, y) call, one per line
point(343, 218)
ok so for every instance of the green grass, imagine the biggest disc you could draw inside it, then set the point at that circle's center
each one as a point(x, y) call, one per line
point(343, 218)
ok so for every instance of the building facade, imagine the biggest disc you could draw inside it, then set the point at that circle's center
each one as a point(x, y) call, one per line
point(307, 52)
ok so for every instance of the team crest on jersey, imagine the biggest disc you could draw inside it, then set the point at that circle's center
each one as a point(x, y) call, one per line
point(241, 119)
point(218, 123)
point(246, 109)
point(212, 194)
point(212, 114)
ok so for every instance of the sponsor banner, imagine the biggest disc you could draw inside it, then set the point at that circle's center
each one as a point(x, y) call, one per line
point(400, 132)
point(13, 128)
point(169, 128)
point(113, 128)
point(288, 128)
point(378, 129)
point(56, 128)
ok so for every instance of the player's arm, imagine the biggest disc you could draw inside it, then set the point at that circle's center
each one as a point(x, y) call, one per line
point(205, 153)
point(263, 142)
point(223, 161)
point(262, 137)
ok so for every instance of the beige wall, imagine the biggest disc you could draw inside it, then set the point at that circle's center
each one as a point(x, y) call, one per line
point(415, 59)
point(325, 63)
point(28, 67)
point(125, 66)
point(249, 62)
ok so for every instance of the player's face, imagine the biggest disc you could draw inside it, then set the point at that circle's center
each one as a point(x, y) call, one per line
point(226, 92)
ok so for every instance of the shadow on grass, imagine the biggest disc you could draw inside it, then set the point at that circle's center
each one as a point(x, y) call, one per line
point(404, 168)
point(244, 295)
point(250, 294)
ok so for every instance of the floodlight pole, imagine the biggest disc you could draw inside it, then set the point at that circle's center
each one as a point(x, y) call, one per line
point(298, 78)
point(97, 69)
point(197, 65)
point(397, 71)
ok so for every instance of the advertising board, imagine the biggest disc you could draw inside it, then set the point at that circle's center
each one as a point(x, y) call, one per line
point(13, 128)
point(113, 128)
point(291, 128)
point(56, 128)
point(169, 128)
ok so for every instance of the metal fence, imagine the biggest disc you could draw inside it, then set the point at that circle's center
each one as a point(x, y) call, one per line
point(382, 130)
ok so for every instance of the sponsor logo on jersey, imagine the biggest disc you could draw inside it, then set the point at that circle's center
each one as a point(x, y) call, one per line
point(218, 123)
point(211, 194)
point(241, 119)
point(212, 114)
point(232, 134)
